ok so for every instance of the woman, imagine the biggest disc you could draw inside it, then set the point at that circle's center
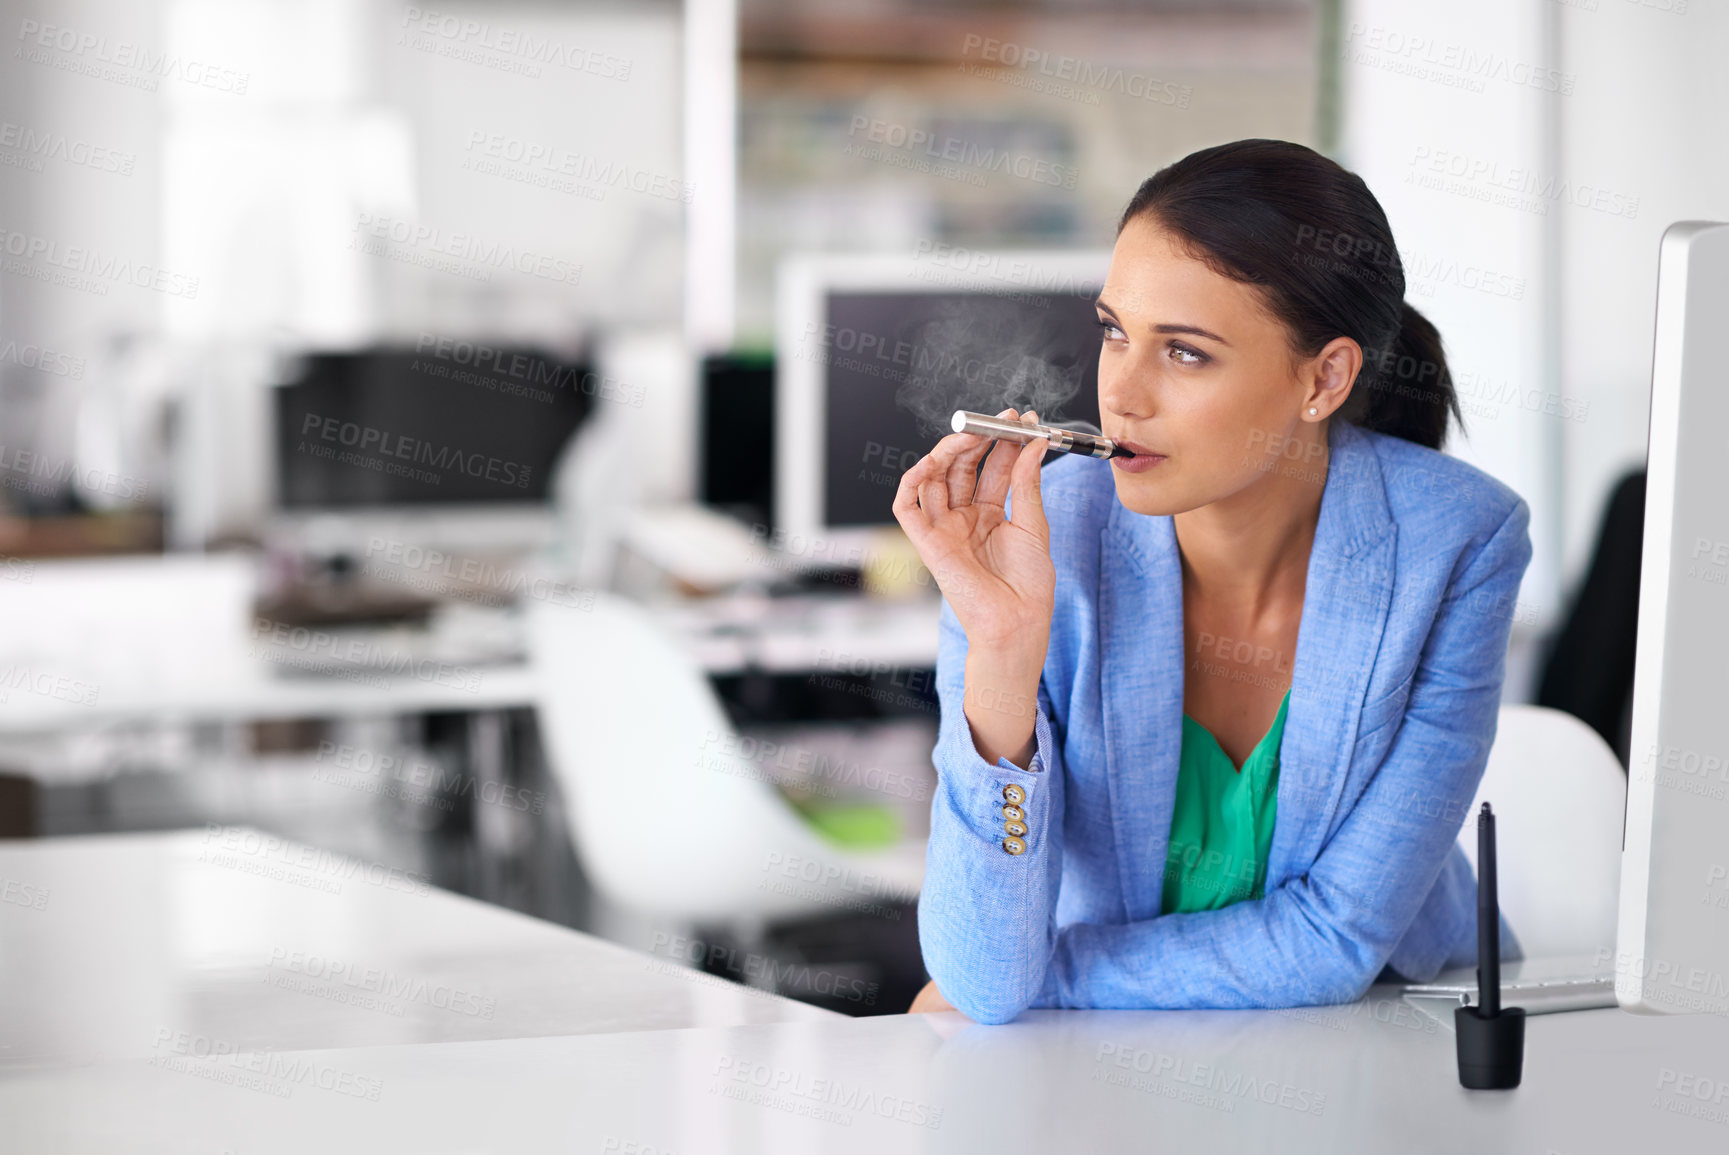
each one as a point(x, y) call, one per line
point(1210, 741)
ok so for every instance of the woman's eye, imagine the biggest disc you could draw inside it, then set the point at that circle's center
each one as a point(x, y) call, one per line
point(1183, 355)
point(1110, 332)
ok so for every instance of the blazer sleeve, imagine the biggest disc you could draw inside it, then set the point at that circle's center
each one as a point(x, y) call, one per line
point(987, 917)
point(1323, 937)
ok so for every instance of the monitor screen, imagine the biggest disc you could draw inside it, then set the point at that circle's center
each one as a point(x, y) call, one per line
point(896, 365)
point(737, 436)
point(456, 424)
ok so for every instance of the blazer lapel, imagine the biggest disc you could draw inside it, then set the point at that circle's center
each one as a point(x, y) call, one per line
point(1345, 606)
point(1346, 601)
point(1141, 658)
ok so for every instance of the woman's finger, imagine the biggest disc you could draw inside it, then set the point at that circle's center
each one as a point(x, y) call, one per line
point(950, 460)
point(934, 497)
point(994, 481)
point(1028, 508)
point(907, 511)
point(964, 472)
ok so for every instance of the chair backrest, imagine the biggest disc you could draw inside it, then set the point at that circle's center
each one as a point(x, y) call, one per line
point(667, 814)
point(1559, 796)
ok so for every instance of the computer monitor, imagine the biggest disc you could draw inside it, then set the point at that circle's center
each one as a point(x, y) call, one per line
point(397, 427)
point(1672, 941)
point(875, 352)
point(736, 472)
point(460, 431)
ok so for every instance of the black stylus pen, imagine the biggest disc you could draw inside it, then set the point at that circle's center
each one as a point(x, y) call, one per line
point(1489, 1041)
point(1488, 918)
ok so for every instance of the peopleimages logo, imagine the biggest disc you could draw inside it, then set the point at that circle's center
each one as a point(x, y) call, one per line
point(1486, 179)
point(38, 144)
point(337, 975)
point(1455, 65)
point(33, 251)
point(959, 151)
point(433, 242)
point(1077, 71)
point(428, 777)
point(801, 1093)
point(467, 39)
point(36, 898)
point(270, 856)
point(777, 974)
point(43, 683)
point(1228, 1085)
point(98, 56)
point(272, 1072)
point(42, 359)
point(491, 362)
point(442, 458)
point(582, 168)
point(37, 473)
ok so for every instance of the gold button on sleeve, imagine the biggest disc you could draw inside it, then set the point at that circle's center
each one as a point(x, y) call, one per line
point(1018, 829)
point(1014, 795)
point(1014, 814)
point(1013, 845)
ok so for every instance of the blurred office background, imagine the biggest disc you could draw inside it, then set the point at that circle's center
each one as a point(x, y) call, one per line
point(391, 397)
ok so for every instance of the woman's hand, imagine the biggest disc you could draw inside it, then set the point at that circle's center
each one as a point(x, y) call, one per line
point(929, 1001)
point(996, 573)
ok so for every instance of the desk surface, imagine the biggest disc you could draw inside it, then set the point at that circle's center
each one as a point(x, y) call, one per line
point(151, 680)
point(113, 946)
point(161, 994)
point(246, 691)
point(1376, 1077)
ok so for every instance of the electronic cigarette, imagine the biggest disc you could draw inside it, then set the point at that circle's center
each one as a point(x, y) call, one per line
point(1062, 440)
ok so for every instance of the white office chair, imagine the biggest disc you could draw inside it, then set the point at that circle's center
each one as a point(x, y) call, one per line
point(1559, 795)
point(667, 819)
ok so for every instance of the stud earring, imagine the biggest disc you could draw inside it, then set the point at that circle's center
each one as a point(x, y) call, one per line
point(1313, 411)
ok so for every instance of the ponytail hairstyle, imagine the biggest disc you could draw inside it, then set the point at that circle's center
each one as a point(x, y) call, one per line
point(1313, 238)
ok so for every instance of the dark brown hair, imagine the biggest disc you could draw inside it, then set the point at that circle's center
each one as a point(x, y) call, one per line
point(1312, 237)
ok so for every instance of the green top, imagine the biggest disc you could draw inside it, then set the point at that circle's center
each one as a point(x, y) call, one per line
point(1222, 826)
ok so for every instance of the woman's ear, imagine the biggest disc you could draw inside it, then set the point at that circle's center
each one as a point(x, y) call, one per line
point(1329, 376)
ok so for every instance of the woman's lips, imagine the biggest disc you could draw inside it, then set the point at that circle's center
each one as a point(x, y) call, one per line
point(1143, 459)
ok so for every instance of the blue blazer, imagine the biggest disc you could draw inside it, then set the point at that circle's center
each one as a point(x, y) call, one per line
point(1396, 685)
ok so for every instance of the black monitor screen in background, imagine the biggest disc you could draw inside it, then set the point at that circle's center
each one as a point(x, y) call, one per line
point(465, 424)
point(896, 365)
point(737, 436)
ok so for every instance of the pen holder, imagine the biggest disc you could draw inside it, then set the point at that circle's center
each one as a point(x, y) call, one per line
point(1491, 1047)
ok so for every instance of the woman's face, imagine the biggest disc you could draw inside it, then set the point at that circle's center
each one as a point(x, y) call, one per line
point(1195, 368)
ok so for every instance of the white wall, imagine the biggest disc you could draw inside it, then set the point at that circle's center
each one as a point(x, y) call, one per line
point(279, 127)
point(54, 192)
point(1648, 121)
point(1635, 143)
point(630, 244)
point(1430, 90)
point(467, 128)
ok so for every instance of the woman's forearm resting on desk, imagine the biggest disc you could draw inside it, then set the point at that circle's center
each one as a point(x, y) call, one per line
point(985, 911)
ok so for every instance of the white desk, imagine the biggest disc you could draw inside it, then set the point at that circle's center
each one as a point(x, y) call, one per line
point(142, 959)
point(1369, 1079)
point(113, 946)
point(230, 680)
point(813, 633)
point(254, 692)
